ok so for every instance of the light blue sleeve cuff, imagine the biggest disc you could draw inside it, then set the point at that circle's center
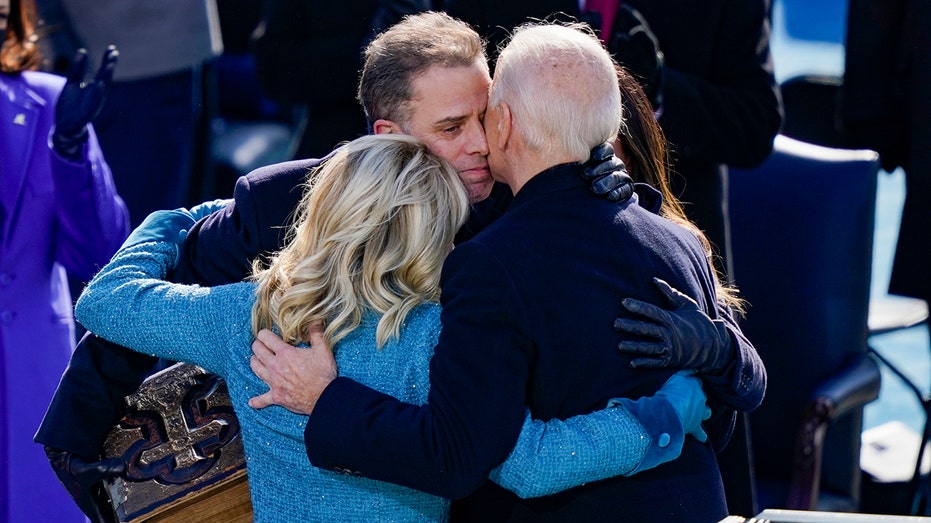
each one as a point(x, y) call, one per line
point(660, 421)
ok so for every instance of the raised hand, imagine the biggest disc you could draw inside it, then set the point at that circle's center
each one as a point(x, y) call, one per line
point(80, 102)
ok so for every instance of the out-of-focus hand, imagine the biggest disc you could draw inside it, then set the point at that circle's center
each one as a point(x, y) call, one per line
point(296, 376)
point(634, 46)
point(82, 478)
point(683, 337)
point(80, 102)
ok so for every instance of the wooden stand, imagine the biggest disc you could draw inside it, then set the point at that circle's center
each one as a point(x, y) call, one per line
point(183, 448)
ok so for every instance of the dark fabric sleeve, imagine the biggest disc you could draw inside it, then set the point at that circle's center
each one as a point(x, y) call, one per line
point(742, 385)
point(89, 398)
point(220, 248)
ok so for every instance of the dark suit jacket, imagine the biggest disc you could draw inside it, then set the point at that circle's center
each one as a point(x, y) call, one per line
point(720, 98)
point(528, 306)
point(886, 106)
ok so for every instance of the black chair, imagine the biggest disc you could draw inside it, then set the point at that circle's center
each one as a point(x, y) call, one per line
point(811, 110)
point(802, 237)
point(249, 130)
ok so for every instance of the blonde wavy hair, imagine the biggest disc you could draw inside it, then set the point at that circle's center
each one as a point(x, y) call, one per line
point(372, 230)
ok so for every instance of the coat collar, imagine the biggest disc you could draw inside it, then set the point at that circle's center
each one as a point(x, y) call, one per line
point(568, 176)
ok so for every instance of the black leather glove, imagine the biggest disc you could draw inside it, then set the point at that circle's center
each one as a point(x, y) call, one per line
point(682, 338)
point(79, 103)
point(607, 174)
point(634, 46)
point(83, 481)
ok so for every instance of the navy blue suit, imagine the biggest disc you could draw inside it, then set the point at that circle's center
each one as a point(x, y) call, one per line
point(528, 306)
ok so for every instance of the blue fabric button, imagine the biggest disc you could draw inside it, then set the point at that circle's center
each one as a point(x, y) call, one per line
point(664, 440)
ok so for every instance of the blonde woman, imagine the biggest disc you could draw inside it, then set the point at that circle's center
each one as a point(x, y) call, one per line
point(363, 257)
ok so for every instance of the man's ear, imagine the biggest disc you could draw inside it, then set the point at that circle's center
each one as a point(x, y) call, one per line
point(386, 127)
point(505, 125)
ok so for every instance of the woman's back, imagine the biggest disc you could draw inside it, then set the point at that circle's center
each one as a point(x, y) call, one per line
point(284, 485)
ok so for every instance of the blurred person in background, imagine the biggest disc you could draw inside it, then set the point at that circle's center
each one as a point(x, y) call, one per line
point(154, 129)
point(886, 106)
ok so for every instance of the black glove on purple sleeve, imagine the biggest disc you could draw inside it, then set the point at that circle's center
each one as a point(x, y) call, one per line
point(79, 103)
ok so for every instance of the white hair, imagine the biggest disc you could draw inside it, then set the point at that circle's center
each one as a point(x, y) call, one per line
point(561, 86)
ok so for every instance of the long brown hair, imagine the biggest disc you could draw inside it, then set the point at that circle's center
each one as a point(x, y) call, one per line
point(20, 50)
point(645, 152)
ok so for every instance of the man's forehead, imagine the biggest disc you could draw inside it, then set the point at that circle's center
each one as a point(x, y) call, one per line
point(447, 95)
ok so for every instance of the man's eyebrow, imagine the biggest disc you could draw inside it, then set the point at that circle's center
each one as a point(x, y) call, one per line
point(450, 120)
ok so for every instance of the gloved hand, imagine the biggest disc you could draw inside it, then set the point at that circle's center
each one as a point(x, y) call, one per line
point(634, 46)
point(684, 337)
point(161, 226)
point(675, 411)
point(79, 103)
point(687, 398)
point(83, 481)
point(207, 208)
point(607, 174)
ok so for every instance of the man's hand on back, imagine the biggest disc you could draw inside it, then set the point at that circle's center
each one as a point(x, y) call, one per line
point(296, 376)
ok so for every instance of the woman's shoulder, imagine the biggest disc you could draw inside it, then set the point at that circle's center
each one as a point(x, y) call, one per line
point(47, 85)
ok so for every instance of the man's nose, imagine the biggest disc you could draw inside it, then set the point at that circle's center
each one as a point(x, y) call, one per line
point(477, 143)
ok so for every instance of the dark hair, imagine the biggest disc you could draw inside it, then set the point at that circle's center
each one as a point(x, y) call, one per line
point(647, 160)
point(645, 145)
point(20, 51)
point(407, 49)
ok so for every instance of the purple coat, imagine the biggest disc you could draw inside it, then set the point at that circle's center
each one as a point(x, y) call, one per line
point(58, 218)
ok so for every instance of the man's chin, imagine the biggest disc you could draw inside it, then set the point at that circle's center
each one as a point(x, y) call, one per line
point(479, 191)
